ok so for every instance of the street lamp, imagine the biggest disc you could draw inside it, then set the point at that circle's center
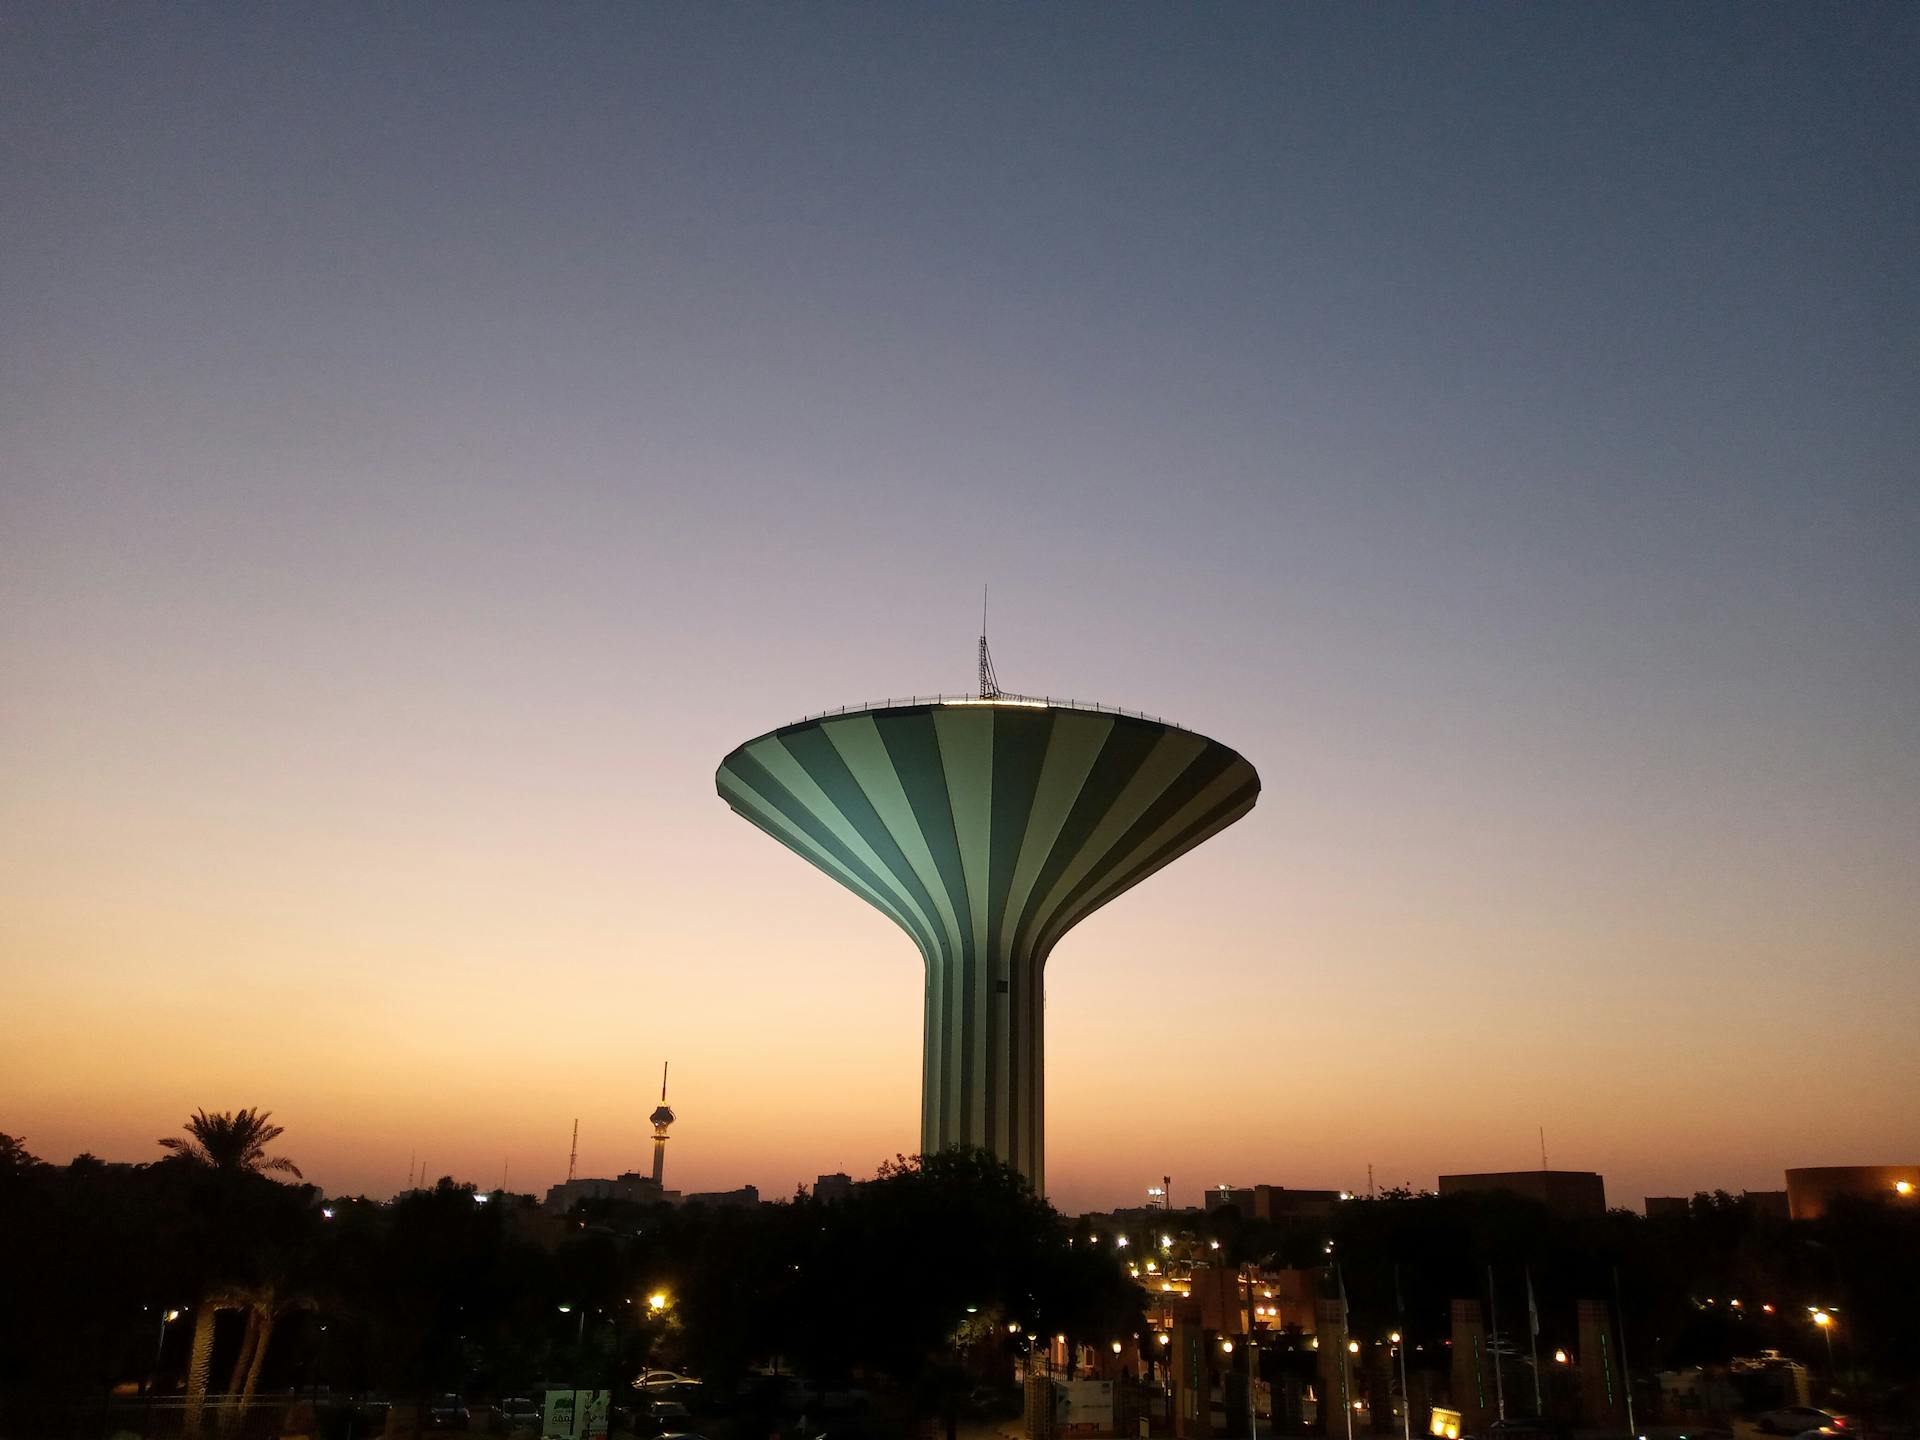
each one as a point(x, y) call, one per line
point(657, 1301)
point(167, 1317)
point(1825, 1322)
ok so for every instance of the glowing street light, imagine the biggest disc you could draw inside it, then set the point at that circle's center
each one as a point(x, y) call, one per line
point(1353, 1347)
point(657, 1301)
point(1825, 1322)
point(1226, 1347)
point(167, 1317)
point(1559, 1357)
point(1903, 1187)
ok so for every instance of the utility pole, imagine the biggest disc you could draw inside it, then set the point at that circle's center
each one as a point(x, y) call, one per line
point(1400, 1339)
point(1346, 1352)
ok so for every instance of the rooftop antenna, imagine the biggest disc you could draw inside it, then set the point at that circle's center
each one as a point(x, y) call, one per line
point(989, 682)
point(1543, 1147)
point(573, 1155)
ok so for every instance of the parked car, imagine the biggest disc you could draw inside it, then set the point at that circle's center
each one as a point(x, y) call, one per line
point(449, 1412)
point(1529, 1428)
point(1796, 1419)
point(517, 1412)
point(658, 1379)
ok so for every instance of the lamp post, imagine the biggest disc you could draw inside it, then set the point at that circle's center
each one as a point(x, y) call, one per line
point(167, 1317)
point(1825, 1321)
point(1406, 1396)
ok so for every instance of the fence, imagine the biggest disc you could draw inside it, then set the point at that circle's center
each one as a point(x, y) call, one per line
point(1051, 702)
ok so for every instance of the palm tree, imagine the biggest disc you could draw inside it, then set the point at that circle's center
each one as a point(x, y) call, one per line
point(231, 1143)
point(264, 1304)
point(228, 1146)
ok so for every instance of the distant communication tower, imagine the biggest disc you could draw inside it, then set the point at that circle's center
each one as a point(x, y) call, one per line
point(661, 1118)
point(573, 1155)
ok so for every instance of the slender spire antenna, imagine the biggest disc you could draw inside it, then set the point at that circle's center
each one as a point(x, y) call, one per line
point(1543, 1147)
point(573, 1155)
point(663, 1081)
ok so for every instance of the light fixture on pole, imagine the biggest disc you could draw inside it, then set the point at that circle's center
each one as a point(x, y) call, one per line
point(1825, 1322)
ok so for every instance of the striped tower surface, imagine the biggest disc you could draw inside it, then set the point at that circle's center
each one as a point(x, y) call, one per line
point(986, 829)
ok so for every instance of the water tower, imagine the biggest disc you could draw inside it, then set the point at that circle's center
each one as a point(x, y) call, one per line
point(986, 827)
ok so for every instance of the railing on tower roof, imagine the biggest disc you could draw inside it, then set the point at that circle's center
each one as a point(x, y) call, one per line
point(1037, 702)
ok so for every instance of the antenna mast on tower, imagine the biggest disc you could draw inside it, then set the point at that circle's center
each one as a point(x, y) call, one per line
point(573, 1155)
point(989, 682)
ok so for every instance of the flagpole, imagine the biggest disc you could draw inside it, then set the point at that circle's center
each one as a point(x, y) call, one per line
point(1533, 1345)
point(1626, 1379)
point(1493, 1345)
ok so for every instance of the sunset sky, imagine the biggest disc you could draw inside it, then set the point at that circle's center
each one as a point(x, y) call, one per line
point(431, 437)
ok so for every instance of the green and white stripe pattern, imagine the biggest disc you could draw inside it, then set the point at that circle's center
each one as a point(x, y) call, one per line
point(986, 830)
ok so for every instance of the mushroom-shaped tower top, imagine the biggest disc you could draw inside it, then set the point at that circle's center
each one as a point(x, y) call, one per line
point(986, 829)
point(661, 1117)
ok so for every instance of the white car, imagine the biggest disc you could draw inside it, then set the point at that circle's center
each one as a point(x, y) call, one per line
point(660, 1379)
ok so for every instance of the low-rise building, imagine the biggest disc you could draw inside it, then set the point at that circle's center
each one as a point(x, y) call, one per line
point(1570, 1194)
point(837, 1186)
point(632, 1187)
point(1274, 1202)
point(1811, 1190)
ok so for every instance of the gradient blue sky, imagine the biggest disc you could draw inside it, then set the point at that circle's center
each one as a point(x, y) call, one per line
point(434, 435)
